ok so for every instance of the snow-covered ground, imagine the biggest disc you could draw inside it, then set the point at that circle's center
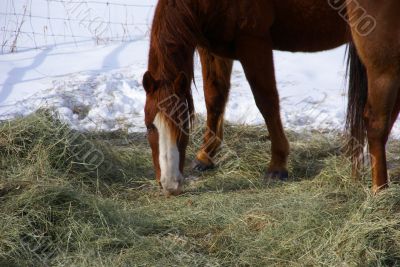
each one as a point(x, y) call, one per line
point(98, 86)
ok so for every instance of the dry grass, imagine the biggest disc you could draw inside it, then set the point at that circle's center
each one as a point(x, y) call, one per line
point(56, 212)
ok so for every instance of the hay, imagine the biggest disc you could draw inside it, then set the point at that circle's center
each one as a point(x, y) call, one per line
point(58, 210)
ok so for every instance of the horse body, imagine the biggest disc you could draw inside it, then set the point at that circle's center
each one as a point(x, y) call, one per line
point(293, 25)
point(224, 30)
point(308, 26)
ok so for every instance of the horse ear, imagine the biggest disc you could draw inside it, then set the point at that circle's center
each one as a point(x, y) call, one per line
point(149, 83)
point(181, 83)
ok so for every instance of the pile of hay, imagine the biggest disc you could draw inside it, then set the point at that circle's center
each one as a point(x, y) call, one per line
point(61, 206)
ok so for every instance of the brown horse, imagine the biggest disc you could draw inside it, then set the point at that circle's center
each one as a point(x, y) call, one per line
point(374, 99)
point(227, 30)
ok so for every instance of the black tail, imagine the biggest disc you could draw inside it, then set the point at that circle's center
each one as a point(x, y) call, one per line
point(357, 94)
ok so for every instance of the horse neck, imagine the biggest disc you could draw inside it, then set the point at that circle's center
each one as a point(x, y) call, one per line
point(174, 37)
point(167, 63)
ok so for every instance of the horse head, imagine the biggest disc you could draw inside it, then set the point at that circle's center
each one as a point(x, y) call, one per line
point(168, 113)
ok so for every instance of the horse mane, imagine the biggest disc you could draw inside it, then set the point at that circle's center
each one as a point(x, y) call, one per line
point(175, 34)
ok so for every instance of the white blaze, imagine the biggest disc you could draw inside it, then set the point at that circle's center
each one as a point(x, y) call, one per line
point(171, 177)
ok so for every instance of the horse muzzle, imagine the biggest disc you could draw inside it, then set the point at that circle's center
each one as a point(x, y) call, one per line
point(172, 186)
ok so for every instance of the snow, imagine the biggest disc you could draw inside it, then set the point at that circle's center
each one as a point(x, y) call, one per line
point(103, 81)
point(98, 86)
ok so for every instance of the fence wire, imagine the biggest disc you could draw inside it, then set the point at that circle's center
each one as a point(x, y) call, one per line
point(34, 24)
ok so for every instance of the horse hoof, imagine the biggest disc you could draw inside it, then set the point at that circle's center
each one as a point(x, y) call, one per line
point(277, 175)
point(197, 165)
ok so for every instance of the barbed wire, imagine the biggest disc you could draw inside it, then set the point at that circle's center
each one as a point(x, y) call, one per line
point(77, 20)
point(46, 23)
point(102, 3)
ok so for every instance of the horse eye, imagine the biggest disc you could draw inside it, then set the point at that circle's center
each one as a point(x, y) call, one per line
point(150, 128)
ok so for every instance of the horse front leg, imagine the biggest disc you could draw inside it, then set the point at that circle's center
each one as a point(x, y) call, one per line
point(257, 59)
point(216, 77)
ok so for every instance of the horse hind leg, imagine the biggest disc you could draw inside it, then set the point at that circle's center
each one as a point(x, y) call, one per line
point(380, 113)
point(216, 76)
